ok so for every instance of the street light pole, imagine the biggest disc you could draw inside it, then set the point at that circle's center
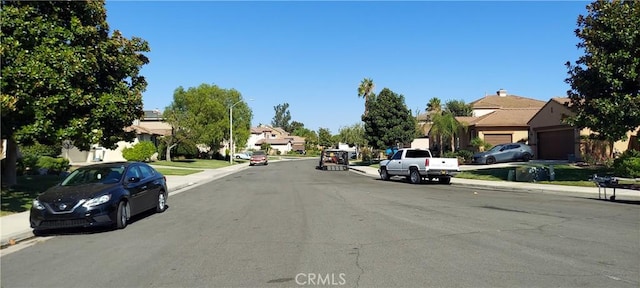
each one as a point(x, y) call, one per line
point(231, 148)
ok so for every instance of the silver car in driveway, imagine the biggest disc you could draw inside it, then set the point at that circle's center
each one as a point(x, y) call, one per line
point(504, 153)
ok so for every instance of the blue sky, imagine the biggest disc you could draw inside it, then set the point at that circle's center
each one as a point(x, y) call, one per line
point(313, 55)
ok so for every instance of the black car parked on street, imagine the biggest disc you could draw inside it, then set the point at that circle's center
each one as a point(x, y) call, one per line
point(105, 194)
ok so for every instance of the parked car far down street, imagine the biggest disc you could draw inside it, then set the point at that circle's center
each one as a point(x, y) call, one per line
point(504, 153)
point(100, 195)
point(243, 155)
point(259, 157)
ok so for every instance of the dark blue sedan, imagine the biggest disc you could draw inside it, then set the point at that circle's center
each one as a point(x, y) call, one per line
point(106, 194)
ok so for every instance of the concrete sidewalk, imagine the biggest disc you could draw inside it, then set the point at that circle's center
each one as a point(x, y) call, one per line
point(590, 192)
point(16, 228)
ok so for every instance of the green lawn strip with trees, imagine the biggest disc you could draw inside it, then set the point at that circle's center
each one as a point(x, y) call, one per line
point(193, 163)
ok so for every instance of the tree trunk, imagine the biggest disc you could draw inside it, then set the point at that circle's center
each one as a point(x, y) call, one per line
point(167, 154)
point(9, 176)
point(453, 143)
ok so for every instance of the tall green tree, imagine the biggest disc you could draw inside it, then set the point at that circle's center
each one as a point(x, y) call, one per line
point(201, 114)
point(365, 90)
point(605, 81)
point(458, 108)
point(352, 135)
point(282, 117)
point(325, 139)
point(295, 125)
point(388, 121)
point(310, 137)
point(66, 77)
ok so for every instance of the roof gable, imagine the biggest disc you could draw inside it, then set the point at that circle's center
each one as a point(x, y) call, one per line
point(509, 101)
point(503, 118)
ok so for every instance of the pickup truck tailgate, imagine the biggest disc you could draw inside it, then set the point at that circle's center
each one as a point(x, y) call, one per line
point(446, 164)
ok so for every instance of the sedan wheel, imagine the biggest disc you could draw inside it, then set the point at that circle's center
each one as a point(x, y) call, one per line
point(122, 215)
point(491, 160)
point(162, 202)
point(526, 157)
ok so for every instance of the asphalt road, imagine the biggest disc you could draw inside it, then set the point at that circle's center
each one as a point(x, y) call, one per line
point(288, 225)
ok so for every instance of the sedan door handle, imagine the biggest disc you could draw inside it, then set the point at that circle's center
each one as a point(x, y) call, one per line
point(143, 187)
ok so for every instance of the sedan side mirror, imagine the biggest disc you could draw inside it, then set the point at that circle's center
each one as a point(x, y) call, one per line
point(134, 179)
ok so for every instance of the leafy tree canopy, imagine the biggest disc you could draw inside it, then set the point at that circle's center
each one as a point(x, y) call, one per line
point(458, 108)
point(605, 81)
point(325, 139)
point(202, 114)
point(64, 77)
point(388, 121)
point(352, 135)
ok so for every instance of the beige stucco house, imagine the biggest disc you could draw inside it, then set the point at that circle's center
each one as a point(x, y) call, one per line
point(499, 118)
point(276, 137)
point(551, 138)
point(149, 128)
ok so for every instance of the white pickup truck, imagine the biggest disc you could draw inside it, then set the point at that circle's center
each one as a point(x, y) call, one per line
point(417, 165)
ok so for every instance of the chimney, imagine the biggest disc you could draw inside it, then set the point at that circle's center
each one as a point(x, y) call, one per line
point(502, 93)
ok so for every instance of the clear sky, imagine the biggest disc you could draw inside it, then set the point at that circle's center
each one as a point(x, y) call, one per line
point(313, 55)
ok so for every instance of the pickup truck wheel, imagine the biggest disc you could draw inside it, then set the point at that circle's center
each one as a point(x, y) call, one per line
point(414, 177)
point(491, 160)
point(383, 174)
point(444, 180)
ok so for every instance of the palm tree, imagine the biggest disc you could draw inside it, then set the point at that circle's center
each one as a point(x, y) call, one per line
point(365, 90)
point(434, 107)
point(446, 126)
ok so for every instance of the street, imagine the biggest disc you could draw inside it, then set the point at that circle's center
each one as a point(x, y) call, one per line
point(289, 225)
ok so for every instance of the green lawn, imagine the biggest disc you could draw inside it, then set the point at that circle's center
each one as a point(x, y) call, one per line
point(564, 175)
point(177, 171)
point(19, 198)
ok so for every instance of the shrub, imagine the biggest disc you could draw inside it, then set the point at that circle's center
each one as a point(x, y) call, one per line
point(162, 150)
point(480, 145)
point(366, 153)
point(466, 155)
point(31, 154)
point(53, 165)
point(628, 164)
point(187, 150)
point(142, 151)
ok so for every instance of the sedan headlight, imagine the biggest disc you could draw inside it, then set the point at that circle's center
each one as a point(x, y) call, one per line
point(37, 204)
point(97, 201)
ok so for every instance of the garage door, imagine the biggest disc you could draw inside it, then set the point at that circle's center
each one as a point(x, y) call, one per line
point(496, 139)
point(556, 145)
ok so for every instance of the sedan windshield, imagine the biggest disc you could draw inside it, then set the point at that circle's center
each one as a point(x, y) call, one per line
point(106, 175)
